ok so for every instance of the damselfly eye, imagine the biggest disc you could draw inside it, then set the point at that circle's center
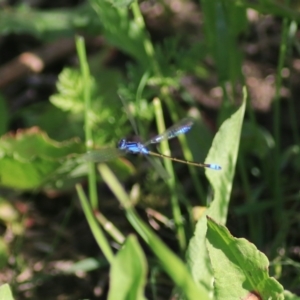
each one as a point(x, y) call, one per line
point(121, 144)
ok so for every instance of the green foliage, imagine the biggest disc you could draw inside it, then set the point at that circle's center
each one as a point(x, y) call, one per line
point(121, 31)
point(255, 135)
point(4, 253)
point(121, 3)
point(5, 292)
point(105, 117)
point(47, 25)
point(31, 160)
point(128, 272)
point(70, 97)
point(283, 9)
point(28, 158)
point(175, 59)
point(86, 265)
point(224, 150)
point(66, 125)
point(224, 21)
point(290, 296)
point(28, 144)
point(238, 262)
point(173, 266)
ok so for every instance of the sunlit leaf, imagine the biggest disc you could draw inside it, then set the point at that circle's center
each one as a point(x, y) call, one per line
point(29, 157)
point(128, 272)
point(239, 262)
point(224, 152)
point(5, 292)
point(106, 116)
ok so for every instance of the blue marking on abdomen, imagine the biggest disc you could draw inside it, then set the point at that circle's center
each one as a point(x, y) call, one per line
point(132, 147)
point(214, 167)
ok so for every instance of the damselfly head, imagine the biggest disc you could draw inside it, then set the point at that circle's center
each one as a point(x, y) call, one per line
point(122, 144)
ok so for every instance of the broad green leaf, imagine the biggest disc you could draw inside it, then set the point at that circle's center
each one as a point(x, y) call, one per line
point(5, 292)
point(239, 269)
point(128, 272)
point(25, 175)
point(30, 157)
point(30, 143)
point(224, 152)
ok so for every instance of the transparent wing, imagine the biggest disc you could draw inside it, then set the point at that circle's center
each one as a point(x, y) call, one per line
point(181, 127)
point(129, 115)
point(102, 155)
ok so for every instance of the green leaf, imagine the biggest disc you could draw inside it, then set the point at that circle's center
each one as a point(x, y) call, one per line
point(5, 292)
point(29, 158)
point(70, 88)
point(290, 296)
point(121, 3)
point(106, 116)
point(121, 31)
point(171, 263)
point(128, 272)
point(30, 143)
point(47, 25)
point(239, 268)
point(224, 152)
point(42, 114)
point(87, 265)
point(223, 22)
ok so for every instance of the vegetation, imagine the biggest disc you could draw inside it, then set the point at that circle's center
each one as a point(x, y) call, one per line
point(154, 67)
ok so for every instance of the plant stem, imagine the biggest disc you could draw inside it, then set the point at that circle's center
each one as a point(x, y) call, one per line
point(172, 181)
point(87, 108)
